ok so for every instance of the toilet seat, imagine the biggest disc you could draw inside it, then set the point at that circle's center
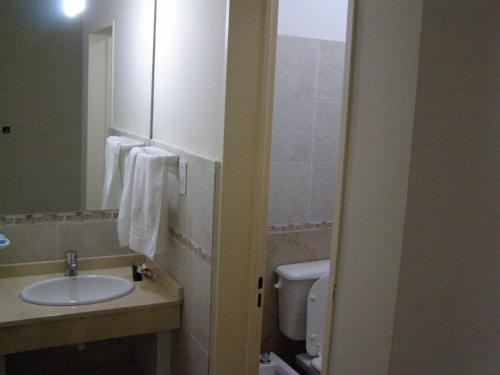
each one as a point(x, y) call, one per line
point(316, 310)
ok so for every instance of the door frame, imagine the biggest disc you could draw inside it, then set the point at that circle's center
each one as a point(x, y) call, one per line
point(241, 219)
point(340, 185)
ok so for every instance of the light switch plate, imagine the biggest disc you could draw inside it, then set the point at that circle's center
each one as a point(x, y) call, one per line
point(182, 177)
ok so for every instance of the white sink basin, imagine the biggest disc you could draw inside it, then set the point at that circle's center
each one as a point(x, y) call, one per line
point(77, 290)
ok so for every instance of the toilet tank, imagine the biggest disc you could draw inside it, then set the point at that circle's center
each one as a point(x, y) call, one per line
point(293, 286)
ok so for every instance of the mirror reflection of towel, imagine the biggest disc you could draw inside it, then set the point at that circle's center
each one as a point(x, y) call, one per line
point(116, 150)
point(142, 221)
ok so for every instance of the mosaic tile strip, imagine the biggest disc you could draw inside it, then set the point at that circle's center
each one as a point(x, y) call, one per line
point(192, 246)
point(299, 227)
point(57, 217)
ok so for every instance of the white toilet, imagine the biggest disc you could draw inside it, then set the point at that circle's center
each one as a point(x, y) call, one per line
point(303, 288)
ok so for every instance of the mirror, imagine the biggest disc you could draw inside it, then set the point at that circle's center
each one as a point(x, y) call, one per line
point(72, 73)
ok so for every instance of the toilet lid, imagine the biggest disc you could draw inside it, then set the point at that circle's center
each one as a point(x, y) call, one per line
point(316, 310)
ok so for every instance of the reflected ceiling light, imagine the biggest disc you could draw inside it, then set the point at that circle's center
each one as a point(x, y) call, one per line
point(73, 7)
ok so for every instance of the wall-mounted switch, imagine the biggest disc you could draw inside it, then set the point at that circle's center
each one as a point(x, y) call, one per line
point(182, 177)
point(5, 129)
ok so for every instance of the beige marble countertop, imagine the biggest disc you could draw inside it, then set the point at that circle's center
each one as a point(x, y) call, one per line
point(14, 311)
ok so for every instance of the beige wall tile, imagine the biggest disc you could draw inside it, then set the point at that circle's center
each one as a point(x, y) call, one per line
point(90, 238)
point(188, 357)
point(330, 70)
point(192, 213)
point(196, 304)
point(289, 192)
point(29, 243)
point(322, 191)
point(327, 132)
point(296, 64)
point(293, 126)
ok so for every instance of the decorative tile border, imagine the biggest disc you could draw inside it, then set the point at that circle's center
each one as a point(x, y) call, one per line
point(54, 218)
point(299, 227)
point(189, 244)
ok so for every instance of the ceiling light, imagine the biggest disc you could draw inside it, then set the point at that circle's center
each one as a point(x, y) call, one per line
point(73, 7)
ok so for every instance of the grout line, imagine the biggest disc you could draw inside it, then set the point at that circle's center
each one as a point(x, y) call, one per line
point(192, 336)
point(189, 244)
point(303, 246)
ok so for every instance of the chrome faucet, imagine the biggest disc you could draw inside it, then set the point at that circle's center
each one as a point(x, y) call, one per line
point(71, 263)
point(265, 358)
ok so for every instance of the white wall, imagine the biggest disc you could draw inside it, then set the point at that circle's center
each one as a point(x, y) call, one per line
point(190, 75)
point(321, 19)
point(133, 58)
point(448, 311)
point(383, 91)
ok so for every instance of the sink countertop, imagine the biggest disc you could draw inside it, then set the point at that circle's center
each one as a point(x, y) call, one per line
point(147, 294)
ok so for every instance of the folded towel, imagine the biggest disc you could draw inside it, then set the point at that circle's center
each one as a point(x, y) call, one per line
point(116, 150)
point(142, 221)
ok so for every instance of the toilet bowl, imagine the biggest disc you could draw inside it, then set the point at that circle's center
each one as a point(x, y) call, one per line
point(303, 289)
point(276, 367)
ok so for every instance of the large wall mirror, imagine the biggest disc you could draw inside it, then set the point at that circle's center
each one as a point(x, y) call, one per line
point(72, 72)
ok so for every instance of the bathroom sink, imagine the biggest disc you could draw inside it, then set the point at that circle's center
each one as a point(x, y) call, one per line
point(76, 290)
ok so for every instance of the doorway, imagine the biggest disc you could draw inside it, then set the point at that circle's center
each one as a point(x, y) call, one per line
point(242, 216)
point(305, 157)
point(99, 112)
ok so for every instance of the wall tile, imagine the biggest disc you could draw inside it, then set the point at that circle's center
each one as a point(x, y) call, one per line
point(330, 70)
point(327, 131)
point(317, 243)
point(188, 357)
point(296, 64)
point(171, 259)
point(192, 213)
point(30, 243)
point(196, 304)
point(292, 131)
point(289, 250)
point(322, 191)
point(191, 218)
point(90, 238)
point(309, 72)
point(288, 192)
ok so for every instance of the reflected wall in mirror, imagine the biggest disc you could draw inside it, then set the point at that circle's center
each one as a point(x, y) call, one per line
point(67, 83)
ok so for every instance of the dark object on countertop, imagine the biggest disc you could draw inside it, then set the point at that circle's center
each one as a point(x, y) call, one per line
point(137, 276)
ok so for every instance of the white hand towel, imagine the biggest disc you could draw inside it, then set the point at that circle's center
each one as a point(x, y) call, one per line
point(116, 150)
point(126, 201)
point(142, 219)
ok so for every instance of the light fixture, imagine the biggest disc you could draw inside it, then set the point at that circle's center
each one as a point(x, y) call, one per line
point(73, 7)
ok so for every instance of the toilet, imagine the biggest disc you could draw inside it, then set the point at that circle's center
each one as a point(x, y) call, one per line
point(276, 366)
point(303, 288)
